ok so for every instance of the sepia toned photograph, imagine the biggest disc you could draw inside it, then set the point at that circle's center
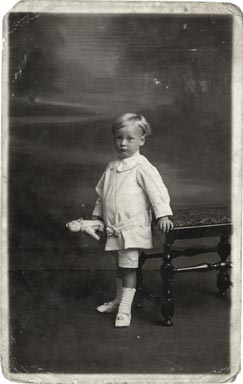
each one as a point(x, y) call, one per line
point(121, 190)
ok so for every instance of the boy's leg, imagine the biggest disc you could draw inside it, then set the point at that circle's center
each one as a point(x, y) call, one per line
point(128, 262)
point(111, 306)
point(123, 318)
point(129, 277)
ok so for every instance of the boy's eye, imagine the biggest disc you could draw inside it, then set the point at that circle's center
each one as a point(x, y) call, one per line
point(130, 138)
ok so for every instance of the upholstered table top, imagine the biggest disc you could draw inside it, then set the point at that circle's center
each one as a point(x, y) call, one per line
point(189, 217)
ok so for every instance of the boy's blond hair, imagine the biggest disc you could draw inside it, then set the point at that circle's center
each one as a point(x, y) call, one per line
point(137, 119)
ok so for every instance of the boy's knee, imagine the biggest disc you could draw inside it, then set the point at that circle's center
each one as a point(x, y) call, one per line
point(126, 271)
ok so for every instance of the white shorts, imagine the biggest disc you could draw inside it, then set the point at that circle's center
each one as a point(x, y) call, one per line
point(128, 258)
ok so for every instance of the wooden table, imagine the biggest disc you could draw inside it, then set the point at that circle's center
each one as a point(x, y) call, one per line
point(191, 224)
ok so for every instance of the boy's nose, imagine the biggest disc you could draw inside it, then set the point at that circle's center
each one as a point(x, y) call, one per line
point(123, 142)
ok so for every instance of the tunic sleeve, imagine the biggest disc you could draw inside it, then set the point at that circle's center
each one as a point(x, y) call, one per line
point(151, 182)
point(98, 208)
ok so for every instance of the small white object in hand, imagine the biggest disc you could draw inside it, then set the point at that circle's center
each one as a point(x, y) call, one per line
point(88, 226)
point(74, 226)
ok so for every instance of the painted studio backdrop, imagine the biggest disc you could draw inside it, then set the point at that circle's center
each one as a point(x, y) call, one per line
point(70, 76)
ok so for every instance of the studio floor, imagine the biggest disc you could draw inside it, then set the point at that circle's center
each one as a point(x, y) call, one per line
point(54, 326)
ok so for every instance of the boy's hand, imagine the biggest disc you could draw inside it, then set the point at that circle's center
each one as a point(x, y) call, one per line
point(165, 224)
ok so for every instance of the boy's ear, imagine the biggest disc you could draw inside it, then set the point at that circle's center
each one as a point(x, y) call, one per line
point(142, 141)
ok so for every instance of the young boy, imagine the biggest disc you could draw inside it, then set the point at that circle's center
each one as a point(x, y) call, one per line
point(127, 191)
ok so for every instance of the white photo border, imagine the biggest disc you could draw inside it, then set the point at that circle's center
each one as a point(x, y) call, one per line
point(183, 8)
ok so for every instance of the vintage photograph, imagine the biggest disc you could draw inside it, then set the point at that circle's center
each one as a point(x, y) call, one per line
point(122, 237)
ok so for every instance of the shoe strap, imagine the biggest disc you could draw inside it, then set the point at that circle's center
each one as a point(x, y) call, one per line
point(122, 316)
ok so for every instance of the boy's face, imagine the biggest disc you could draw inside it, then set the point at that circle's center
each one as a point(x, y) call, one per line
point(128, 140)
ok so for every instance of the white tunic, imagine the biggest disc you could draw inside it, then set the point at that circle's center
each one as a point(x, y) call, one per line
point(127, 191)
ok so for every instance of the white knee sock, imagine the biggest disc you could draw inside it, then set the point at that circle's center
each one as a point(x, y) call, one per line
point(126, 300)
point(118, 290)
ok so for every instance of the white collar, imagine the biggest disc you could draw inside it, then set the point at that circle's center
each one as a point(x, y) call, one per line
point(123, 165)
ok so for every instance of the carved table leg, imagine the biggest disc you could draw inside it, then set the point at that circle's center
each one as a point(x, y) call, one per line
point(140, 288)
point(223, 279)
point(167, 272)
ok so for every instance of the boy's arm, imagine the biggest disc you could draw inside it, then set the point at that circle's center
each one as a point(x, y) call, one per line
point(97, 213)
point(150, 180)
point(98, 208)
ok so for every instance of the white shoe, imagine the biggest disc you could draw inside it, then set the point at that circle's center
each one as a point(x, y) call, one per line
point(123, 320)
point(108, 307)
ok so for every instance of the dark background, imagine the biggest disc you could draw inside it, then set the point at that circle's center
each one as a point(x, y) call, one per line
point(70, 76)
